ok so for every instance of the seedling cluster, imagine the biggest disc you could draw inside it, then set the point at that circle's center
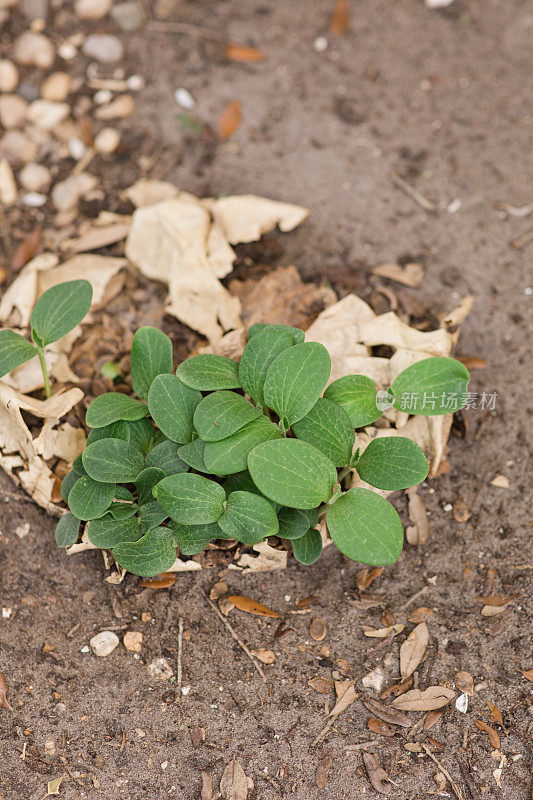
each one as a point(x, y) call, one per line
point(241, 451)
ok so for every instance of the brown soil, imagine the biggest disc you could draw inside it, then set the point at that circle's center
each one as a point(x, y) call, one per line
point(439, 97)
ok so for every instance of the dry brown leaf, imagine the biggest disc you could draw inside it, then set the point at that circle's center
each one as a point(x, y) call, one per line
point(322, 771)
point(376, 774)
point(382, 728)
point(364, 577)
point(493, 611)
point(381, 633)
point(239, 52)
point(417, 534)
point(472, 362)
point(460, 510)
point(367, 601)
point(427, 700)
point(218, 590)
point(527, 673)
point(317, 630)
point(245, 218)
point(495, 714)
point(497, 599)
point(26, 250)
point(321, 685)
point(397, 688)
point(230, 119)
point(269, 558)
point(234, 783)
point(420, 614)
point(207, 787)
point(494, 739)
point(387, 714)
point(501, 481)
point(98, 236)
point(251, 606)
point(3, 693)
point(432, 718)
point(464, 683)
point(163, 581)
point(264, 656)
point(340, 18)
point(410, 275)
point(346, 694)
point(413, 649)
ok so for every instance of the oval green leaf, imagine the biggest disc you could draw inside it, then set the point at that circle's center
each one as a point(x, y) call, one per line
point(112, 460)
point(155, 552)
point(151, 355)
point(151, 515)
point(67, 530)
point(293, 523)
point(295, 380)
point(117, 430)
point(89, 499)
point(192, 539)
point(249, 518)
point(145, 482)
point(67, 483)
point(113, 406)
point(221, 414)
point(293, 473)
point(193, 455)
point(297, 334)
point(141, 433)
point(392, 462)
point(172, 405)
point(165, 456)
point(431, 387)
point(308, 548)
point(59, 310)
point(356, 394)
point(107, 532)
point(190, 499)
point(231, 455)
point(328, 427)
point(14, 351)
point(258, 355)
point(366, 527)
point(209, 372)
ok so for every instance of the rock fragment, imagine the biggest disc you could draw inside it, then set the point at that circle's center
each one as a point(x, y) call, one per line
point(34, 50)
point(104, 643)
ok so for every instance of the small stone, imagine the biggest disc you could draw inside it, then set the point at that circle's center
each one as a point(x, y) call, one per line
point(49, 747)
point(47, 114)
point(92, 9)
point(123, 106)
point(129, 15)
point(35, 178)
point(17, 146)
point(34, 50)
point(76, 148)
point(133, 641)
point(34, 199)
point(12, 110)
point(135, 83)
point(102, 96)
point(160, 668)
point(23, 530)
point(29, 91)
point(56, 87)
point(184, 98)
point(104, 643)
point(9, 76)
point(103, 47)
point(8, 196)
point(66, 194)
point(107, 141)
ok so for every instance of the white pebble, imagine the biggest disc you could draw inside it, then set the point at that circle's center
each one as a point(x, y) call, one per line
point(34, 199)
point(107, 141)
point(35, 178)
point(92, 9)
point(454, 206)
point(17, 146)
point(56, 87)
point(9, 76)
point(104, 643)
point(135, 83)
point(160, 668)
point(320, 44)
point(76, 148)
point(184, 98)
point(34, 50)
point(66, 194)
point(103, 47)
point(461, 703)
point(103, 96)
point(46, 114)
point(12, 110)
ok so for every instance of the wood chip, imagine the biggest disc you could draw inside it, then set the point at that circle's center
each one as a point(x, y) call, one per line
point(264, 656)
point(387, 714)
point(229, 120)
point(427, 700)
point(26, 250)
point(494, 739)
point(464, 683)
point(239, 52)
point(409, 275)
point(495, 714)
point(413, 650)
point(432, 718)
point(251, 606)
point(340, 18)
point(346, 693)
point(364, 577)
point(376, 774)
point(207, 787)
point(133, 641)
point(382, 728)
point(382, 633)
point(420, 614)
point(527, 673)
point(317, 630)
point(163, 581)
point(322, 771)
point(3, 693)
point(321, 685)
point(500, 481)
point(218, 590)
point(418, 533)
point(460, 510)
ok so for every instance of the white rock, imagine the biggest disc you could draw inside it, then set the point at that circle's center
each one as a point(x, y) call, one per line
point(12, 110)
point(160, 668)
point(135, 83)
point(49, 747)
point(102, 96)
point(9, 76)
point(438, 3)
point(35, 178)
point(56, 87)
point(374, 680)
point(103, 47)
point(8, 196)
point(76, 148)
point(107, 141)
point(92, 9)
point(66, 194)
point(129, 15)
point(34, 199)
point(184, 98)
point(47, 114)
point(122, 106)
point(17, 146)
point(104, 643)
point(34, 50)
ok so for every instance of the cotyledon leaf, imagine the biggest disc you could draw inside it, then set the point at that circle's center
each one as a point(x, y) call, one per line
point(328, 427)
point(153, 553)
point(59, 310)
point(145, 482)
point(192, 539)
point(209, 372)
point(67, 530)
point(112, 460)
point(248, 517)
point(258, 354)
point(308, 548)
point(89, 499)
point(172, 406)
point(151, 355)
point(356, 394)
point(259, 327)
point(221, 414)
point(231, 455)
point(165, 456)
point(107, 532)
point(190, 498)
point(431, 386)
point(113, 406)
point(392, 462)
point(14, 351)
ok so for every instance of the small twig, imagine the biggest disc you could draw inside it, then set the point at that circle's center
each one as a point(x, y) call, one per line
point(363, 745)
point(383, 645)
point(184, 27)
point(180, 643)
point(115, 602)
point(414, 194)
point(413, 597)
point(235, 635)
point(518, 244)
point(324, 730)
point(457, 790)
point(465, 772)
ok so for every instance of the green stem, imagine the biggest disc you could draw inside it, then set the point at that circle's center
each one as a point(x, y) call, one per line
point(47, 389)
point(344, 472)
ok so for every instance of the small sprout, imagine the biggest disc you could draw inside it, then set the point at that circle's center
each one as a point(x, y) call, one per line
point(110, 370)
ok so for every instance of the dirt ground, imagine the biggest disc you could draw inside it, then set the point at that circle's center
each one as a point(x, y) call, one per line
point(442, 99)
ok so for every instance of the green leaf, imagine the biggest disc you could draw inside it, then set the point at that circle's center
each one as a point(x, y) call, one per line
point(258, 356)
point(59, 310)
point(151, 355)
point(117, 430)
point(114, 406)
point(293, 523)
point(392, 462)
point(209, 372)
point(112, 460)
point(356, 394)
point(145, 482)
point(67, 530)
point(141, 434)
point(151, 515)
point(248, 518)
point(89, 499)
point(295, 380)
point(193, 455)
point(67, 483)
point(308, 548)
point(431, 386)
point(231, 455)
point(192, 539)
point(172, 405)
point(190, 498)
point(365, 527)
point(165, 456)
point(292, 472)
point(14, 351)
point(123, 509)
point(221, 414)
point(297, 334)
point(77, 466)
point(328, 427)
point(107, 532)
point(155, 552)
